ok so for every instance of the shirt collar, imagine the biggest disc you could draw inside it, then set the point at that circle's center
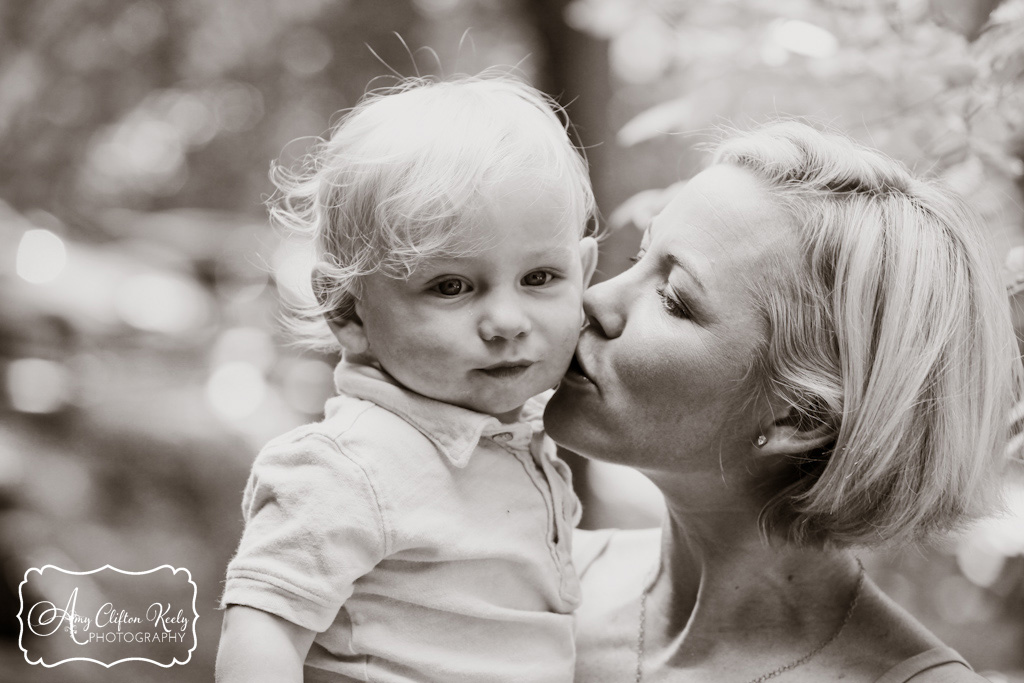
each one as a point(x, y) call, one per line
point(454, 431)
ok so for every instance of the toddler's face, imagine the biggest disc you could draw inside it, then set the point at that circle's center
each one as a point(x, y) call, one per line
point(490, 330)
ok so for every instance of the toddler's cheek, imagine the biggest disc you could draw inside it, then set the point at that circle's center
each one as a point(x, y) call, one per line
point(572, 325)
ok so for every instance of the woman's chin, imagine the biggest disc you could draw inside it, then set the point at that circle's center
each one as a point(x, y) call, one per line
point(565, 420)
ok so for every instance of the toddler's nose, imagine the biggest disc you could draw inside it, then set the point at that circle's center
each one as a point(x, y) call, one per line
point(503, 321)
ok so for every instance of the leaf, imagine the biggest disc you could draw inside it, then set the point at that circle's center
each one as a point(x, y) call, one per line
point(967, 176)
point(663, 118)
point(966, 17)
point(640, 209)
point(998, 158)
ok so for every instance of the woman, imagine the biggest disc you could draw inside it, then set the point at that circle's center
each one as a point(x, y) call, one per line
point(812, 354)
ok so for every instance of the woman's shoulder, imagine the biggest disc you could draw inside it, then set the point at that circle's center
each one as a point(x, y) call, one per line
point(612, 565)
point(948, 673)
point(938, 665)
point(614, 551)
point(897, 648)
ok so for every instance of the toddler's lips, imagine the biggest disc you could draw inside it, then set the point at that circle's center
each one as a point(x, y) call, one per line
point(507, 370)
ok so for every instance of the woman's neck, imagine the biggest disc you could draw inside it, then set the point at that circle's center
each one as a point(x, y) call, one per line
point(718, 577)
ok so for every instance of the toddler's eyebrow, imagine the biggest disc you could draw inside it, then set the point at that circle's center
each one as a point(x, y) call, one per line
point(549, 252)
point(546, 253)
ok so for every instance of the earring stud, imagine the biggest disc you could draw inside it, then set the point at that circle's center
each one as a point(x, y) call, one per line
point(761, 440)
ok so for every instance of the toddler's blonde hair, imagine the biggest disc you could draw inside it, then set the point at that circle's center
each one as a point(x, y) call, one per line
point(402, 174)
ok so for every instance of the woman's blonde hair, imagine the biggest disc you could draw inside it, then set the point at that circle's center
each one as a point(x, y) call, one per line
point(403, 173)
point(895, 336)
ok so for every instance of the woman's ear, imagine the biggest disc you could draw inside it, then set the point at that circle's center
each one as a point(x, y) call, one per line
point(588, 258)
point(791, 433)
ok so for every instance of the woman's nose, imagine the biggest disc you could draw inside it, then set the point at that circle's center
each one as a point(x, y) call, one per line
point(504, 318)
point(603, 305)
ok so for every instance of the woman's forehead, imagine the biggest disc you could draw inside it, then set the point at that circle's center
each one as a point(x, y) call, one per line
point(723, 213)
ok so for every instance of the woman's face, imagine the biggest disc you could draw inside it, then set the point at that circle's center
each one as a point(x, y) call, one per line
point(663, 381)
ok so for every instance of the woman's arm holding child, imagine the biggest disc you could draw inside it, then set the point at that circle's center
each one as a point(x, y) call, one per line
point(257, 646)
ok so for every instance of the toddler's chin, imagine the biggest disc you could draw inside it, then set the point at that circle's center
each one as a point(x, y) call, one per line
point(510, 403)
point(504, 410)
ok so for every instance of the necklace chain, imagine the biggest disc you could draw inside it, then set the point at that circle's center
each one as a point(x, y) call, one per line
point(771, 674)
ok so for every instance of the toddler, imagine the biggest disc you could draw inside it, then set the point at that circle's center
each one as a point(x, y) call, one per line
point(421, 531)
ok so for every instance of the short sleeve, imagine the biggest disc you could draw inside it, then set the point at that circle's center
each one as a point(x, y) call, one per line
point(312, 527)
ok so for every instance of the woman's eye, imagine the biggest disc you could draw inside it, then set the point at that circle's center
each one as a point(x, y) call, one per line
point(672, 305)
point(537, 278)
point(452, 287)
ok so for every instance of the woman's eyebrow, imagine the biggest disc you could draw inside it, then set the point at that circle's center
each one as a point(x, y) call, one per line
point(689, 267)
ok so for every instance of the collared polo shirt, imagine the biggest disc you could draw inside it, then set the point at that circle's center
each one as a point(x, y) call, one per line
point(421, 540)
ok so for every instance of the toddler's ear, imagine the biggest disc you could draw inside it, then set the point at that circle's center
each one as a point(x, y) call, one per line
point(350, 335)
point(344, 322)
point(588, 257)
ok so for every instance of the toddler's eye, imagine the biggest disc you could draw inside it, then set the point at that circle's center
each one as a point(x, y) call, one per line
point(537, 278)
point(450, 287)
